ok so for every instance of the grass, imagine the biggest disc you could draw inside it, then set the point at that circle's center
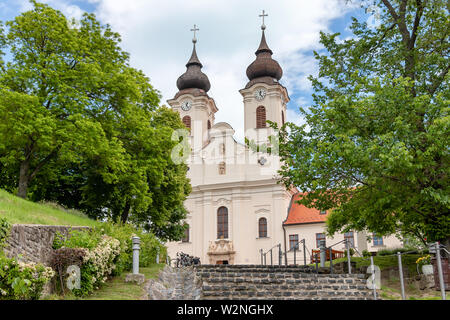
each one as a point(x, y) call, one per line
point(411, 292)
point(117, 289)
point(19, 211)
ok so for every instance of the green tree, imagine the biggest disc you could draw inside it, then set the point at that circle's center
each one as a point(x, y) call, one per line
point(58, 84)
point(79, 126)
point(375, 144)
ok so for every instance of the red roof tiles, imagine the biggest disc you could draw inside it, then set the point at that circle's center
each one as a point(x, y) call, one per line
point(299, 214)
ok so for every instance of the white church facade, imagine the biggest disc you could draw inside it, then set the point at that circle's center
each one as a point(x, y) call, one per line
point(236, 208)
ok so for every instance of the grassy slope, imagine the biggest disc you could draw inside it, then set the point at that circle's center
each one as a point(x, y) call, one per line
point(17, 210)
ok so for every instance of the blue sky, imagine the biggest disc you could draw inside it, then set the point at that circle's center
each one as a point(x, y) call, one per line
point(157, 36)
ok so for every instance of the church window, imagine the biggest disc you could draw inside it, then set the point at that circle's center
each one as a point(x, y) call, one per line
point(222, 223)
point(282, 118)
point(222, 169)
point(186, 235)
point(262, 227)
point(260, 117)
point(222, 148)
point(187, 122)
point(209, 125)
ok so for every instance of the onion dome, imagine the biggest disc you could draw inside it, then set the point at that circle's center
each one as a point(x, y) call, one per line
point(264, 66)
point(193, 78)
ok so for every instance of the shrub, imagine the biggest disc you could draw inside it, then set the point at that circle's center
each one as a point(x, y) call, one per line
point(388, 252)
point(99, 257)
point(366, 254)
point(98, 264)
point(63, 258)
point(108, 249)
point(150, 245)
point(88, 239)
point(5, 228)
point(352, 252)
point(22, 281)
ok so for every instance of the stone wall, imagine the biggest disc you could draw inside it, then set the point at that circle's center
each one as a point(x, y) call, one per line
point(33, 242)
point(253, 282)
point(279, 282)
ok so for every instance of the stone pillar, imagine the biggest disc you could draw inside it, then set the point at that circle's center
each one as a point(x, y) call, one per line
point(135, 276)
point(323, 253)
point(136, 248)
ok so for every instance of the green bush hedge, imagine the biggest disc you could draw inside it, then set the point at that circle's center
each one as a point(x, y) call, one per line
point(388, 252)
point(109, 252)
point(22, 281)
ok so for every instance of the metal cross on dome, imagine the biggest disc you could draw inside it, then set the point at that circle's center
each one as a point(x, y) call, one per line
point(195, 30)
point(263, 15)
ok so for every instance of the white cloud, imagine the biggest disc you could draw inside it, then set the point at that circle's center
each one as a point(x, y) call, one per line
point(157, 36)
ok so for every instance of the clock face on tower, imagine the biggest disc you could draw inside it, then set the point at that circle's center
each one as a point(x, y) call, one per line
point(260, 94)
point(186, 105)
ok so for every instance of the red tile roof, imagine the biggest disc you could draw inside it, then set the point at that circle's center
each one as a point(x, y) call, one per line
point(299, 214)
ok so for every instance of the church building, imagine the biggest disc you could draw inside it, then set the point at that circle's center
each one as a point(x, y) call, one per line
point(237, 210)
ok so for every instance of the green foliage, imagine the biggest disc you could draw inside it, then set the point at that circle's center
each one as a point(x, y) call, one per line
point(22, 281)
point(5, 228)
point(99, 258)
point(88, 239)
point(80, 127)
point(352, 252)
point(366, 253)
point(108, 252)
point(124, 232)
point(58, 241)
point(375, 144)
point(388, 252)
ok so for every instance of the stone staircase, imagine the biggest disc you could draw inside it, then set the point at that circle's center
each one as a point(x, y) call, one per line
point(243, 282)
point(174, 284)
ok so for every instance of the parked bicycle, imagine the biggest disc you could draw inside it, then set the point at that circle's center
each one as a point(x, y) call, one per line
point(185, 260)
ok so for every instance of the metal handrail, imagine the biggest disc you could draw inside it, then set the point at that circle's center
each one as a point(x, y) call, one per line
point(345, 240)
point(271, 248)
point(263, 255)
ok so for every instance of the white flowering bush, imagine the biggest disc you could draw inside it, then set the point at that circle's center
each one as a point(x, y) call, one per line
point(98, 264)
point(22, 281)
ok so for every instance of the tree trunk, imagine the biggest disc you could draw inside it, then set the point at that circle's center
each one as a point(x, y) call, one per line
point(126, 212)
point(24, 178)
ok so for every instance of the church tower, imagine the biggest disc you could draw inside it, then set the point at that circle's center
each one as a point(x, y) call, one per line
point(192, 102)
point(264, 97)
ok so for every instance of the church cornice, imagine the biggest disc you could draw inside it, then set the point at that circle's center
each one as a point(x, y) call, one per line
point(235, 184)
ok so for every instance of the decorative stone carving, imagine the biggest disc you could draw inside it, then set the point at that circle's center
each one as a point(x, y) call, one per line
point(221, 250)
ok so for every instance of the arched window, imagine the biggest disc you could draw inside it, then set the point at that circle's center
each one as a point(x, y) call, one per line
point(222, 168)
point(262, 227)
point(187, 122)
point(222, 223)
point(282, 118)
point(186, 234)
point(260, 117)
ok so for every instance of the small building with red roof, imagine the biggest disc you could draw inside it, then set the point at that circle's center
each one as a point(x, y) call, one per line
point(309, 224)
